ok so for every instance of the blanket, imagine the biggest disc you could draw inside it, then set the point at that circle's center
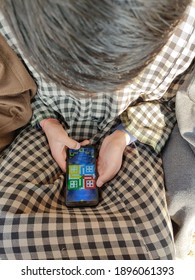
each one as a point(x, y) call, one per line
point(179, 161)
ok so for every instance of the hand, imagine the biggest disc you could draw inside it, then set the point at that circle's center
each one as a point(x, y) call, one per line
point(110, 156)
point(59, 140)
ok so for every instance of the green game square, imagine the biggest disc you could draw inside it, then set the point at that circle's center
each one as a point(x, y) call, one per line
point(75, 184)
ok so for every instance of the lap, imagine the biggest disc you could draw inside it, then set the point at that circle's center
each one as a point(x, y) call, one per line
point(130, 222)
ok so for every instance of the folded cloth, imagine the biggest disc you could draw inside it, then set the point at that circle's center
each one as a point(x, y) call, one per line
point(17, 88)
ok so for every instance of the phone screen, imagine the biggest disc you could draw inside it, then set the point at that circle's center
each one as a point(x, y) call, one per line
point(81, 187)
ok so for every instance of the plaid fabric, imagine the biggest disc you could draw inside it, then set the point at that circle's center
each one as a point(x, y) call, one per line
point(137, 103)
point(151, 118)
point(131, 220)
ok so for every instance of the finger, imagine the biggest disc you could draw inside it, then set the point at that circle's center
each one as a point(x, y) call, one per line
point(60, 158)
point(71, 143)
point(99, 182)
point(85, 143)
point(102, 179)
point(106, 172)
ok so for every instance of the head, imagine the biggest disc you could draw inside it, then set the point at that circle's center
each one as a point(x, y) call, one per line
point(89, 45)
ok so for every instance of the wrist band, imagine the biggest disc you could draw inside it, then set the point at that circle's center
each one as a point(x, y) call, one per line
point(121, 127)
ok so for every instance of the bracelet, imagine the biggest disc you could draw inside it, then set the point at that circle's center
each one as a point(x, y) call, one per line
point(45, 120)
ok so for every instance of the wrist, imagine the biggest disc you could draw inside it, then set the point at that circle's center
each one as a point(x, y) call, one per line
point(46, 123)
point(128, 136)
point(121, 137)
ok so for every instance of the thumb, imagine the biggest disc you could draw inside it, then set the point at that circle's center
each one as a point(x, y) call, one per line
point(60, 158)
point(100, 182)
point(71, 143)
point(106, 174)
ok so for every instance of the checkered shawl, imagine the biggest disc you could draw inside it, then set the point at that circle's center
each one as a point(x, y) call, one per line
point(131, 221)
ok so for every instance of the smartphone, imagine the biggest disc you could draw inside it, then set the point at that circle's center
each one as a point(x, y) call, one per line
point(81, 189)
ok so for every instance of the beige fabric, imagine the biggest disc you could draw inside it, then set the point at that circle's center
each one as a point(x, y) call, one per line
point(16, 90)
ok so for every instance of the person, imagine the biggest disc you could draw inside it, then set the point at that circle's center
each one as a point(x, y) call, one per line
point(107, 73)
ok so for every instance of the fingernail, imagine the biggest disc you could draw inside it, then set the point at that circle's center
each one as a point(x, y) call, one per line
point(78, 145)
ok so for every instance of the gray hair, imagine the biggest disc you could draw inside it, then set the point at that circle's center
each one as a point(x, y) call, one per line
point(89, 45)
